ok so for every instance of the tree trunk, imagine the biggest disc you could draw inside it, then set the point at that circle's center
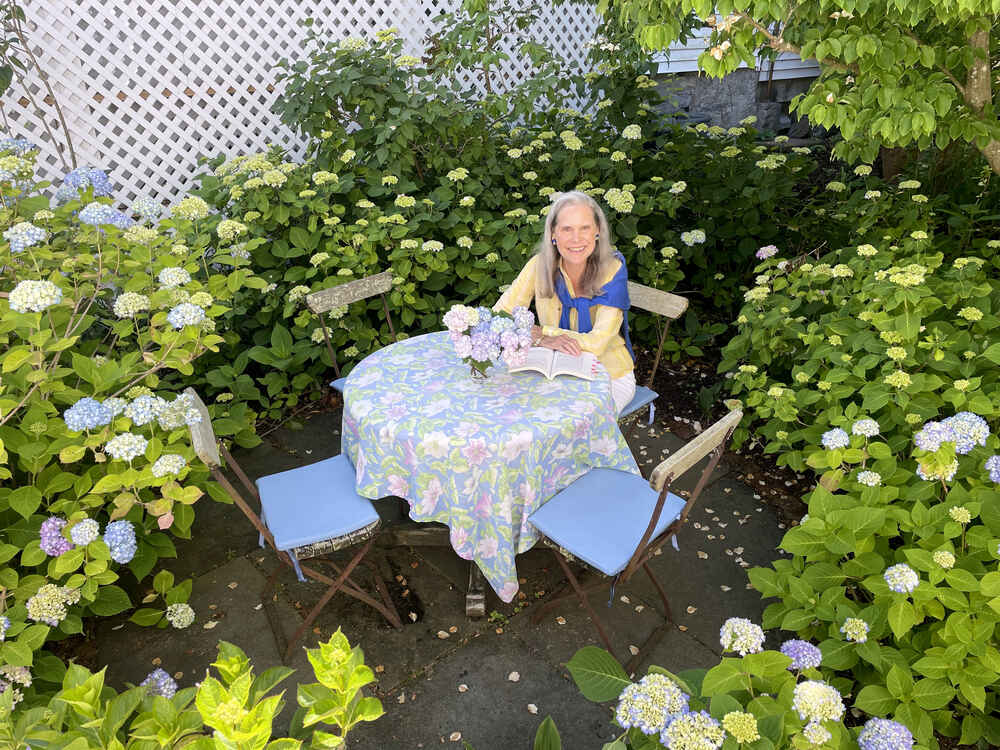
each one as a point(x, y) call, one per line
point(894, 160)
point(978, 90)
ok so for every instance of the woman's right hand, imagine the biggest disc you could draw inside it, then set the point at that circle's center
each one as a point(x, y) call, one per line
point(561, 343)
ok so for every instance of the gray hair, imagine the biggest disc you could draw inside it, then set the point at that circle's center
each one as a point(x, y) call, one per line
point(599, 262)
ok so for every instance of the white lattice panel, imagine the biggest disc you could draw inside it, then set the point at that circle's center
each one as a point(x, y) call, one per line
point(147, 86)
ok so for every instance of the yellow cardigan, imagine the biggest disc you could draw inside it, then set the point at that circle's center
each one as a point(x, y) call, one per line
point(604, 339)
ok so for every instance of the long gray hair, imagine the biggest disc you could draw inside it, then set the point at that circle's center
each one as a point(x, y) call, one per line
point(598, 264)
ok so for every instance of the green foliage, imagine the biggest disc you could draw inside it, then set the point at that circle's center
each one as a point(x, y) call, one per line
point(750, 698)
point(231, 709)
point(892, 73)
point(86, 344)
point(897, 327)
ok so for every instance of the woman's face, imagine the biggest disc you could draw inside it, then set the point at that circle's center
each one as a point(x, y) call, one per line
point(575, 234)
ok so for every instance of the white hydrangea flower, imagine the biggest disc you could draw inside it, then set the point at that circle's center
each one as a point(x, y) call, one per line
point(126, 446)
point(173, 276)
point(168, 464)
point(34, 296)
point(130, 304)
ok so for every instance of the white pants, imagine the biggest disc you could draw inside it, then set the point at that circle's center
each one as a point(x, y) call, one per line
point(623, 391)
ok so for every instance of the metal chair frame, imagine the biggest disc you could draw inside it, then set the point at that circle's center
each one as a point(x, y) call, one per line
point(208, 449)
point(711, 443)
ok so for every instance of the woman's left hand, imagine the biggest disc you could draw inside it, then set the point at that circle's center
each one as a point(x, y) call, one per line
point(561, 343)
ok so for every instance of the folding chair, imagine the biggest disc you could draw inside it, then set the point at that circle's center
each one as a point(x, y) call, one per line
point(615, 521)
point(324, 300)
point(306, 512)
point(671, 307)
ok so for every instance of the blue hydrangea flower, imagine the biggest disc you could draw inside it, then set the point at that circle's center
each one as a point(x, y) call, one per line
point(650, 704)
point(80, 179)
point(933, 434)
point(19, 146)
point(146, 208)
point(970, 430)
point(120, 538)
point(992, 465)
point(160, 683)
point(144, 409)
point(883, 734)
point(96, 214)
point(87, 414)
point(116, 405)
point(84, 532)
point(185, 314)
point(23, 235)
point(53, 543)
point(835, 438)
point(693, 731)
point(901, 578)
point(804, 654)
point(4, 626)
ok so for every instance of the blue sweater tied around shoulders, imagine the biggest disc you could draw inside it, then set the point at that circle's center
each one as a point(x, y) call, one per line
point(614, 294)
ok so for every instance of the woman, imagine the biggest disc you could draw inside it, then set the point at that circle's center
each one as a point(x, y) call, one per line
point(580, 289)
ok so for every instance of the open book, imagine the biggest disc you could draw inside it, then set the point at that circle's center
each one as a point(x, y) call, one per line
point(551, 363)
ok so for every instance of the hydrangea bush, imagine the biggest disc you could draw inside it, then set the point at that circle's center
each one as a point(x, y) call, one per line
point(894, 574)
point(231, 706)
point(762, 699)
point(101, 316)
point(874, 366)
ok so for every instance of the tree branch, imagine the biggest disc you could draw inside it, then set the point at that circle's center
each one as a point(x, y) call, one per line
point(776, 42)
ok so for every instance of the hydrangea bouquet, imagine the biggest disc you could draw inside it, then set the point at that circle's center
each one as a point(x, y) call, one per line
point(481, 336)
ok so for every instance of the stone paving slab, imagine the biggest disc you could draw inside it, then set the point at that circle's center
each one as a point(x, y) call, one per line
point(494, 712)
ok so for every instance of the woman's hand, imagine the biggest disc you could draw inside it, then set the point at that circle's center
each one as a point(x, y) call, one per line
point(561, 343)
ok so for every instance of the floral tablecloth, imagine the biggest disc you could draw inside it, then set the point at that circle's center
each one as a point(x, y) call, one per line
point(477, 456)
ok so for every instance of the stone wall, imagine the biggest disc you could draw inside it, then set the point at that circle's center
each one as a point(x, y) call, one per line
point(725, 101)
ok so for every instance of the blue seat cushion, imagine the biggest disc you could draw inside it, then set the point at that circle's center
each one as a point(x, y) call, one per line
point(601, 517)
point(339, 384)
point(313, 503)
point(643, 396)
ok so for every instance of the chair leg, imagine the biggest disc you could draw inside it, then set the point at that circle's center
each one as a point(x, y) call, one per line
point(334, 587)
point(564, 592)
point(582, 595)
point(661, 629)
point(660, 591)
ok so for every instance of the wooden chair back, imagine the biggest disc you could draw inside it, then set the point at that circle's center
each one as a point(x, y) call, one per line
point(670, 306)
point(712, 442)
point(207, 448)
point(324, 300)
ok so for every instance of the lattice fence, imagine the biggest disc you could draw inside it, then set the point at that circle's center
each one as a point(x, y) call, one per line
point(147, 86)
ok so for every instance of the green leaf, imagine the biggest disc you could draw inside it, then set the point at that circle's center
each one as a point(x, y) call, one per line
point(989, 584)
point(110, 601)
point(16, 654)
point(547, 736)
point(163, 582)
point(899, 682)
point(875, 700)
point(902, 617)
point(597, 674)
point(147, 617)
point(932, 694)
point(766, 663)
point(724, 677)
point(25, 500)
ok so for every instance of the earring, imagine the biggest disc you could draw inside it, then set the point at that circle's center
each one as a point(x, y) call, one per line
point(553, 243)
point(597, 236)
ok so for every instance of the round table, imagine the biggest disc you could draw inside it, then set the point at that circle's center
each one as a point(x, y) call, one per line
point(479, 456)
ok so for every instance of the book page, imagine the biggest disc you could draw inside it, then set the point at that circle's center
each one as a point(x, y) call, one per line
point(539, 359)
point(581, 366)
